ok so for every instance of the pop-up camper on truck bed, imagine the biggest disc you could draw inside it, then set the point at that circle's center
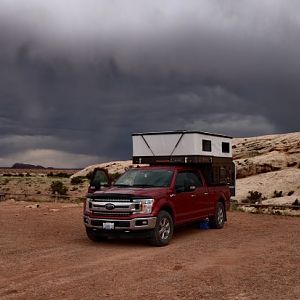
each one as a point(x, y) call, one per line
point(211, 152)
point(190, 177)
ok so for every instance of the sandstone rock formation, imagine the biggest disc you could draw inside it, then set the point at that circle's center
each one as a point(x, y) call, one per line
point(268, 163)
point(268, 153)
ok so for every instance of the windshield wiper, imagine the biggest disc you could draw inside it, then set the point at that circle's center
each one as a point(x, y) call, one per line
point(143, 185)
point(122, 185)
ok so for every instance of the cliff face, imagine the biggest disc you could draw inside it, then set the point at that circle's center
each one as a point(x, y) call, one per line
point(268, 163)
point(268, 153)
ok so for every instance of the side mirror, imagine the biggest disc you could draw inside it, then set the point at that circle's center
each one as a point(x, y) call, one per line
point(99, 179)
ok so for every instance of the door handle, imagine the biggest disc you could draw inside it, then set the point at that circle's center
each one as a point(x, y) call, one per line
point(193, 195)
point(205, 193)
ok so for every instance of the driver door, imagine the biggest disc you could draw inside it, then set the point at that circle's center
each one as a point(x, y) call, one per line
point(185, 196)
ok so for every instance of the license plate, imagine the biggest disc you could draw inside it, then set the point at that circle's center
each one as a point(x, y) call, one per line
point(108, 225)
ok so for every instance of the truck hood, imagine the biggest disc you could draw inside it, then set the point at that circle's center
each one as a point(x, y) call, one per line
point(145, 192)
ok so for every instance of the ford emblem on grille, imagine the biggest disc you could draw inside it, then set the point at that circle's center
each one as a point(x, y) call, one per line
point(109, 206)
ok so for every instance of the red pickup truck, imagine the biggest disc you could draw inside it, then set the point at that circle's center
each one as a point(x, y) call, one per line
point(151, 201)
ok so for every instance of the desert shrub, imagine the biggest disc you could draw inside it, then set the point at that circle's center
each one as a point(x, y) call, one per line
point(28, 175)
point(59, 175)
point(245, 201)
point(74, 188)
point(5, 181)
point(277, 194)
point(20, 175)
point(254, 196)
point(57, 187)
point(77, 180)
point(234, 205)
point(62, 175)
point(290, 193)
point(296, 203)
point(7, 175)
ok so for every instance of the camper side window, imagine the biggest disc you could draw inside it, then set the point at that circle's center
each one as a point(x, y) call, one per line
point(206, 145)
point(225, 147)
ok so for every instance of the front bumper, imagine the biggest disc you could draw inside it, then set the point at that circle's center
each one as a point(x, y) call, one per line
point(121, 225)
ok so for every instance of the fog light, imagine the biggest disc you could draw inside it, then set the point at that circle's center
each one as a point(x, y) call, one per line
point(141, 222)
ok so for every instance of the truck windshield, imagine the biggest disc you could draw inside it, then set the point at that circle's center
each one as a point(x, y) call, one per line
point(145, 178)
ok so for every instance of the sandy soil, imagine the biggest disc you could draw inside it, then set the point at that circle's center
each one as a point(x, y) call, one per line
point(44, 254)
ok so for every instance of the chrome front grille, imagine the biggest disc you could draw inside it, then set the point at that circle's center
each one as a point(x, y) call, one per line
point(112, 200)
point(114, 206)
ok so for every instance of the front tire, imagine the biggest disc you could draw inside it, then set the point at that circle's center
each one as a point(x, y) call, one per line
point(218, 220)
point(163, 231)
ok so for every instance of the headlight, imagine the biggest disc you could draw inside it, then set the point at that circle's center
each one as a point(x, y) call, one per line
point(145, 206)
point(87, 204)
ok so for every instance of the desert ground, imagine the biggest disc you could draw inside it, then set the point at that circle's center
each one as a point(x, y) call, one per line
point(44, 254)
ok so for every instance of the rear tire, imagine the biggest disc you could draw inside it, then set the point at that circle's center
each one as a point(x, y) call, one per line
point(218, 220)
point(163, 231)
point(94, 235)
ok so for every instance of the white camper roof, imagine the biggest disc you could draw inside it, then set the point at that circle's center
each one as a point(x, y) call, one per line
point(192, 146)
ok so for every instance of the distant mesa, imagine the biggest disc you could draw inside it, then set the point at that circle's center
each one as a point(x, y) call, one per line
point(26, 166)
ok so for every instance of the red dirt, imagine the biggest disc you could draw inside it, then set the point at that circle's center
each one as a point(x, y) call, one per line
point(44, 253)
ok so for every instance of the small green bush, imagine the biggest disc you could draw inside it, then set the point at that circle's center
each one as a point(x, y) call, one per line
point(245, 201)
point(254, 196)
point(277, 194)
point(57, 187)
point(234, 205)
point(77, 180)
point(62, 175)
point(296, 203)
point(59, 175)
point(5, 181)
point(7, 175)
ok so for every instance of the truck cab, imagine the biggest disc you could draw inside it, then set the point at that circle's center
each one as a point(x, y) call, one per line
point(151, 200)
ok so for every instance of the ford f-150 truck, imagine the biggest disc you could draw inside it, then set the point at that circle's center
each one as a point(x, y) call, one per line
point(152, 200)
point(179, 188)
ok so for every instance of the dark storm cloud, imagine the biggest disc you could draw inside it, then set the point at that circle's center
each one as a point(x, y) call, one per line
point(76, 78)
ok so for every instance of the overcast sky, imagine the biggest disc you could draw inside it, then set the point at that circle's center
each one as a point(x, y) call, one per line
point(77, 77)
